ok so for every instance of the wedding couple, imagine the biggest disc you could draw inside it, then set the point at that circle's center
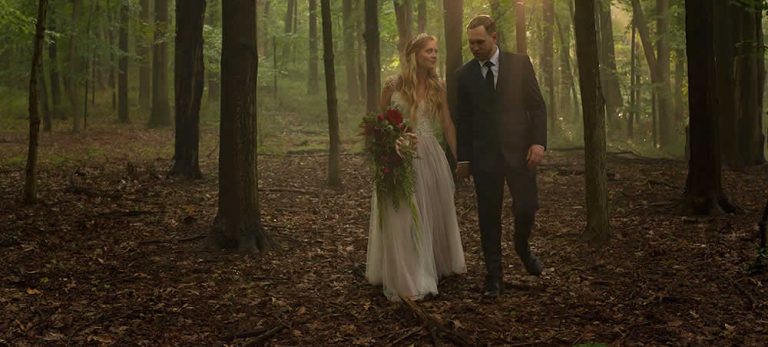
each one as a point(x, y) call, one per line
point(501, 137)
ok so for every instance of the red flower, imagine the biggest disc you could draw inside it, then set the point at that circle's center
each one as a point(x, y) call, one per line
point(394, 117)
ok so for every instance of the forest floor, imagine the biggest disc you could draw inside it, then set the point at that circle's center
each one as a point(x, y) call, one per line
point(113, 254)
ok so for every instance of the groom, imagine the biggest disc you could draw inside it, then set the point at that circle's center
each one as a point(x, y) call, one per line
point(502, 134)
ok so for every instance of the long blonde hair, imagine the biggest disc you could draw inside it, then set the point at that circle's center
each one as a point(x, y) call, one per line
point(408, 75)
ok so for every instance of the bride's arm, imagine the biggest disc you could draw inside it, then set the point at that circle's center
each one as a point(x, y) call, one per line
point(449, 130)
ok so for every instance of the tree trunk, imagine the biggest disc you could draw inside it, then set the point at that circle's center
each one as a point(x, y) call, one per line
point(454, 28)
point(145, 56)
point(112, 60)
point(30, 174)
point(568, 93)
point(334, 174)
point(703, 189)
point(238, 221)
point(161, 109)
point(74, 68)
point(597, 232)
point(725, 38)
point(520, 29)
point(749, 89)
point(213, 18)
point(312, 86)
point(608, 77)
point(547, 64)
point(372, 55)
point(122, 78)
point(349, 53)
point(290, 11)
point(358, 9)
point(404, 15)
point(499, 13)
point(422, 16)
point(54, 68)
point(633, 85)
point(667, 125)
point(189, 78)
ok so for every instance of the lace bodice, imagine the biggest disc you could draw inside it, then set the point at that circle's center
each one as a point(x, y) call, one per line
point(425, 117)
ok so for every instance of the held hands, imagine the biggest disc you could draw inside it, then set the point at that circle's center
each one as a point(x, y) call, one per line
point(535, 156)
point(406, 142)
point(462, 170)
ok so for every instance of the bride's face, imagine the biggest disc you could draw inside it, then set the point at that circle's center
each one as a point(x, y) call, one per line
point(426, 57)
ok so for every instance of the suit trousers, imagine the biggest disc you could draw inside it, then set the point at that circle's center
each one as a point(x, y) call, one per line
point(489, 187)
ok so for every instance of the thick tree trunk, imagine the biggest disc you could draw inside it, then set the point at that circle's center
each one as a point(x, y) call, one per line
point(520, 29)
point(359, 10)
point(404, 15)
point(189, 78)
point(238, 221)
point(349, 53)
point(454, 28)
point(749, 89)
point(547, 64)
point(161, 109)
point(74, 67)
point(703, 189)
point(312, 85)
point(122, 78)
point(145, 56)
point(30, 174)
point(372, 55)
point(597, 232)
point(334, 174)
point(609, 79)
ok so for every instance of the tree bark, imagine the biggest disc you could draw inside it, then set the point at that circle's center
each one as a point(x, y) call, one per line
point(597, 232)
point(161, 109)
point(30, 174)
point(547, 64)
point(145, 56)
point(44, 106)
point(749, 89)
point(290, 12)
point(349, 53)
point(334, 174)
point(189, 78)
point(633, 85)
point(454, 27)
point(372, 55)
point(703, 189)
point(609, 79)
point(122, 77)
point(312, 85)
point(520, 29)
point(404, 15)
point(238, 221)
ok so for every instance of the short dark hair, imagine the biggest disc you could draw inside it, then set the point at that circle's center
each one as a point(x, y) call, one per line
point(485, 21)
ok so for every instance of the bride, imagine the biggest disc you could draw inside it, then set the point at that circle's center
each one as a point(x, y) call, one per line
point(408, 255)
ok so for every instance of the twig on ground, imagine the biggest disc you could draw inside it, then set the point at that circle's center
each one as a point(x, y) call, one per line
point(266, 335)
point(410, 332)
point(436, 326)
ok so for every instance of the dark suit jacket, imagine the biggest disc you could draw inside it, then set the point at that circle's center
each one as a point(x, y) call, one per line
point(495, 129)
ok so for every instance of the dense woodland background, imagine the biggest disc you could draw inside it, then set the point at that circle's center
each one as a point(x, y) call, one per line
point(139, 139)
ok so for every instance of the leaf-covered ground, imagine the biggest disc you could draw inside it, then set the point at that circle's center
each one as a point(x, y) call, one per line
point(113, 255)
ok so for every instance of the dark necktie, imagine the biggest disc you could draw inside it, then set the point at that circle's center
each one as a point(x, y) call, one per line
point(489, 76)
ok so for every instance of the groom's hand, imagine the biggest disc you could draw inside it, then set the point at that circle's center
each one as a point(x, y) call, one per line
point(535, 156)
point(462, 170)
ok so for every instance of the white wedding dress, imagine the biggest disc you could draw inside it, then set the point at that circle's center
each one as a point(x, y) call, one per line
point(407, 256)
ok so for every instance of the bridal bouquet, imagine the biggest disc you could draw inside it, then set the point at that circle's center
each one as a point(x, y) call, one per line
point(393, 171)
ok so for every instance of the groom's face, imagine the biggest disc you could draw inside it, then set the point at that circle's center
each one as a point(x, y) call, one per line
point(481, 43)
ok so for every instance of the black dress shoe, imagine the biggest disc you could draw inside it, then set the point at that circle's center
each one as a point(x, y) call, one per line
point(493, 288)
point(533, 265)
